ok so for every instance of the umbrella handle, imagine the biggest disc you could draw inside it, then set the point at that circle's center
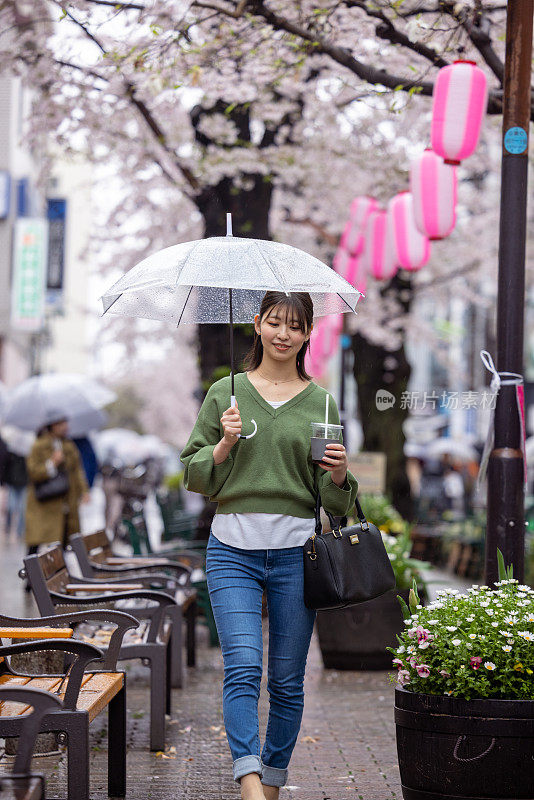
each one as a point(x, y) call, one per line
point(249, 435)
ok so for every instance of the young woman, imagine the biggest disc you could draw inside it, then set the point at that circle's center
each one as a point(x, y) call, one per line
point(265, 488)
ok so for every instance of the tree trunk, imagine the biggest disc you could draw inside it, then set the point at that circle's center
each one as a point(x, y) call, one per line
point(376, 368)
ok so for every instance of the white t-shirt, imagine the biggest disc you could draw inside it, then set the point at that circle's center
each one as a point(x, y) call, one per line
point(262, 531)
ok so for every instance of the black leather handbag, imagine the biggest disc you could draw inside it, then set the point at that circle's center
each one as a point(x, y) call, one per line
point(345, 566)
point(52, 487)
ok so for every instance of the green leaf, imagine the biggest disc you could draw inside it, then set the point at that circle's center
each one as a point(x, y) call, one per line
point(405, 610)
point(502, 568)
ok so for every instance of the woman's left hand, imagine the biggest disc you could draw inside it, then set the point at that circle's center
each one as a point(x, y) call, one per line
point(335, 461)
point(86, 497)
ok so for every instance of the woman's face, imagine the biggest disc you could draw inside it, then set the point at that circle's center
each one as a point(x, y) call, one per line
point(280, 334)
point(60, 429)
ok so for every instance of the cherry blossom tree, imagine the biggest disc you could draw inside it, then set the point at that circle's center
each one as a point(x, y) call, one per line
point(279, 112)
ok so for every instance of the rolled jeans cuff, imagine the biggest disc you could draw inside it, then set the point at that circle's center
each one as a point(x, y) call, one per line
point(272, 776)
point(245, 765)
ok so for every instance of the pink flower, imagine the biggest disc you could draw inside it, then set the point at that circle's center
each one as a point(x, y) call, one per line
point(476, 661)
point(397, 662)
point(403, 677)
point(412, 661)
point(444, 673)
point(423, 670)
point(422, 634)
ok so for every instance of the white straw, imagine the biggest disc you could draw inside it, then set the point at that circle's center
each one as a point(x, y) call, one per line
point(326, 416)
point(228, 224)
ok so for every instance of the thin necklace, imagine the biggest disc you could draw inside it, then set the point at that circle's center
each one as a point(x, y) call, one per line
point(290, 380)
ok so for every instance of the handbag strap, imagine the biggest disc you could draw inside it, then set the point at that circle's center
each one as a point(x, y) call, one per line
point(343, 523)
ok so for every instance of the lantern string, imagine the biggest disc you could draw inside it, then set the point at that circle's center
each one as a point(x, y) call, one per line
point(499, 379)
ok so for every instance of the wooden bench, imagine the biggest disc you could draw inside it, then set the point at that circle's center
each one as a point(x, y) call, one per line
point(156, 639)
point(97, 563)
point(96, 560)
point(22, 783)
point(81, 695)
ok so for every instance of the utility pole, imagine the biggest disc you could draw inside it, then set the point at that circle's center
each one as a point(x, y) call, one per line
point(506, 515)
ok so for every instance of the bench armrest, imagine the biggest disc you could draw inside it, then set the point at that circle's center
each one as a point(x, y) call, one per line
point(84, 653)
point(154, 614)
point(145, 579)
point(98, 586)
point(124, 622)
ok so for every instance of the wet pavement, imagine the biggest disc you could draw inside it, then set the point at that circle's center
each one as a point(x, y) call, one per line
point(346, 747)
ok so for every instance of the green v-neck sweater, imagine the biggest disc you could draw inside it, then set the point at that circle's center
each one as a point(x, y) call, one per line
point(271, 473)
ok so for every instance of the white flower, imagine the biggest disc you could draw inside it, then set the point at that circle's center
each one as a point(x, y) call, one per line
point(490, 612)
point(423, 645)
point(506, 648)
point(419, 606)
point(526, 635)
point(451, 628)
point(456, 642)
point(470, 619)
point(494, 624)
point(455, 608)
point(433, 622)
point(530, 618)
point(401, 649)
point(510, 620)
point(410, 649)
point(472, 636)
point(489, 665)
point(484, 604)
point(505, 633)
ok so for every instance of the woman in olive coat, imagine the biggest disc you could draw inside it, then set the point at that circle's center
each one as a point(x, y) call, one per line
point(56, 519)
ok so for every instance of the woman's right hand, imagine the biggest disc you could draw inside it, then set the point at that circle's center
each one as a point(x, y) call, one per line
point(57, 457)
point(231, 422)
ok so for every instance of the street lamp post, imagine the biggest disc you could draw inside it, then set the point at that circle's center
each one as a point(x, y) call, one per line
point(506, 523)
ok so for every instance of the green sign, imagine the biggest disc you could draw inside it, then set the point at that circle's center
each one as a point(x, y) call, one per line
point(29, 274)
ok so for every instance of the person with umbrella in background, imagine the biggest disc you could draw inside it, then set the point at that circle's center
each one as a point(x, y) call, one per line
point(57, 484)
point(265, 486)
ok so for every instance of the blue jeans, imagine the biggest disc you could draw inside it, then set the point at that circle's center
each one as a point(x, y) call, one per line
point(236, 580)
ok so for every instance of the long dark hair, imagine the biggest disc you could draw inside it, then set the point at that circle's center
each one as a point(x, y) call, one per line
point(297, 304)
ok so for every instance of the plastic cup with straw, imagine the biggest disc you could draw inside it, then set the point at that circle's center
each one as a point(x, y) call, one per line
point(324, 433)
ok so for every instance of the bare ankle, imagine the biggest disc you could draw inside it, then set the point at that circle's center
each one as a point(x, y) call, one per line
point(271, 792)
point(251, 787)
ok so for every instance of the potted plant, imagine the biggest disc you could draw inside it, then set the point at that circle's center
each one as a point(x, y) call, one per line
point(358, 637)
point(464, 701)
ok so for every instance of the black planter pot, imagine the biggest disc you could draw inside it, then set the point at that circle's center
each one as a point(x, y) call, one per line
point(455, 749)
point(356, 638)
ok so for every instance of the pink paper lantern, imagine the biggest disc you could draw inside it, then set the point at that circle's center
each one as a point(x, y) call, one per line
point(411, 248)
point(350, 268)
point(433, 185)
point(460, 101)
point(323, 343)
point(341, 261)
point(352, 237)
point(375, 254)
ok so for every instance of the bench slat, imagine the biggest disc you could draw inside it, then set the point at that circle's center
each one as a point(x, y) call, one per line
point(10, 709)
point(98, 691)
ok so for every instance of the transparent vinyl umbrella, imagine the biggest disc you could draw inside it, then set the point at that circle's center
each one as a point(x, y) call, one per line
point(71, 395)
point(222, 279)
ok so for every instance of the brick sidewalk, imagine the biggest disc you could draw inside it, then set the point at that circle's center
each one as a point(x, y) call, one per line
point(345, 751)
